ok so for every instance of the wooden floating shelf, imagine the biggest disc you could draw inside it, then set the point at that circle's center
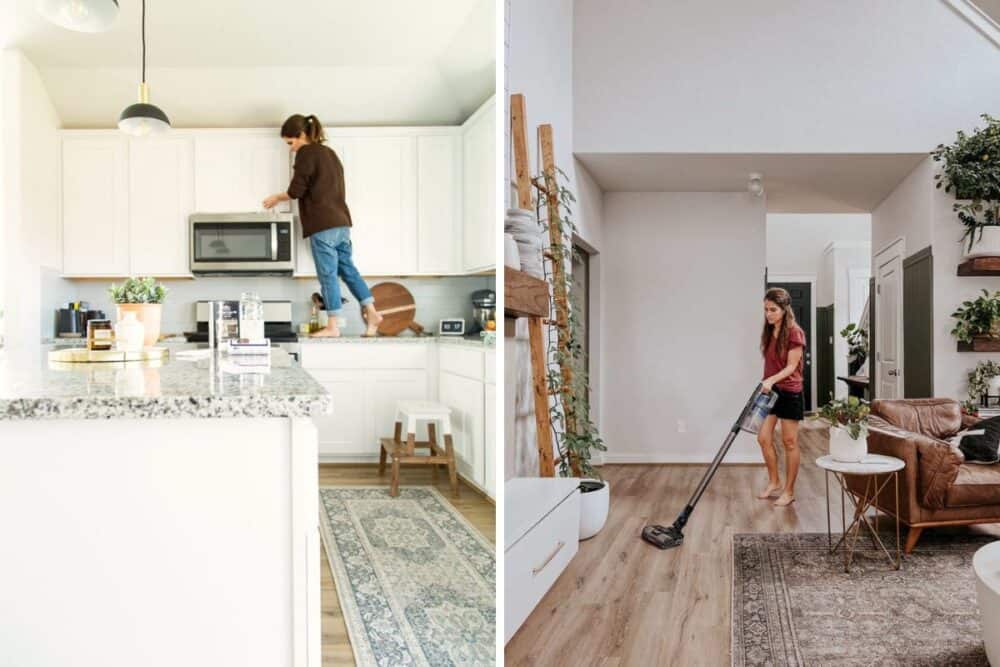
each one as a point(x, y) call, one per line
point(980, 345)
point(980, 266)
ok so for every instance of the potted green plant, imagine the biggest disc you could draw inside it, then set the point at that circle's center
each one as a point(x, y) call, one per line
point(857, 347)
point(144, 297)
point(971, 169)
point(848, 420)
point(978, 319)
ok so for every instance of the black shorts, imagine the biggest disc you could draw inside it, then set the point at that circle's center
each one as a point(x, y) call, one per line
point(790, 404)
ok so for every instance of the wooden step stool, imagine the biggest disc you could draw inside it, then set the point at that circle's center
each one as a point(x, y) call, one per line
point(404, 451)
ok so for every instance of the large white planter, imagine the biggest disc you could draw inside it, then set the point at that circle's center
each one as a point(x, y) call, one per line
point(593, 509)
point(988, 245)
point(846, 449)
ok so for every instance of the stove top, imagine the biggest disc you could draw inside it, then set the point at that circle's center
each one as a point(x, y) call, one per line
point(276, 332)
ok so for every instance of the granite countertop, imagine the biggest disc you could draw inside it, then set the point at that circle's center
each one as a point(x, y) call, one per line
point(31, 387)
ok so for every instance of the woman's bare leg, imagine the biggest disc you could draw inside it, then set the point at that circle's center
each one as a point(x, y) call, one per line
point(790, 440)
point(765, 438)
point(372, 319)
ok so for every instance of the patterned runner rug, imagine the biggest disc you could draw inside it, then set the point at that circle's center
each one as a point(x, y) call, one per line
point(793, 604)
point(416, 581)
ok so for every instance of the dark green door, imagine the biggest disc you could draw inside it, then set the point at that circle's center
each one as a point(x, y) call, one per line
point(801, 294)
point(825, 379)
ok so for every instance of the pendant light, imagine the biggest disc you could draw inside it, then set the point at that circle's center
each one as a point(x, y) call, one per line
point(80, 15)
point(143, 118)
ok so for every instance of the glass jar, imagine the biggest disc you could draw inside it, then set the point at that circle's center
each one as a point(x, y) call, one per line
point(251, 317)
point(100, 335)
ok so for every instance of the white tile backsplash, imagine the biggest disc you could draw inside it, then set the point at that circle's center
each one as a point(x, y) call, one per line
point(436, 298)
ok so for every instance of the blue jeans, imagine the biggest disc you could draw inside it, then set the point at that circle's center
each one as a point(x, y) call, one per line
point(331, 249)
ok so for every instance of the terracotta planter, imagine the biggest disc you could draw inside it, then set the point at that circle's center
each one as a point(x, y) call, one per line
point(147, 313)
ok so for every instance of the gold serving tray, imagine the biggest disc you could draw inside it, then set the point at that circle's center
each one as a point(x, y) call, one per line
point(81, 355)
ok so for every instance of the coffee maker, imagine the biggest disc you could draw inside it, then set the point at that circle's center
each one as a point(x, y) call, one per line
point(71, 322)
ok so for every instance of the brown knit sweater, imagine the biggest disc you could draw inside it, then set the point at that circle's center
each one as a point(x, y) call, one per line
point(318, 184)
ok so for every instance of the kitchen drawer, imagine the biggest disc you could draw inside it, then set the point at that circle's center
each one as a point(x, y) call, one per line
point(490, 366)
point(345, 356)
point(461, 361)
point(535, 561)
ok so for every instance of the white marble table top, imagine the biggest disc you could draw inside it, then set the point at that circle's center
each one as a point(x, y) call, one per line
point(873, 464)
point(986, 563)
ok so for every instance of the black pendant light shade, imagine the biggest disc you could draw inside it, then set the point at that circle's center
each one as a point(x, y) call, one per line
point(80, 15)
point(142, 118)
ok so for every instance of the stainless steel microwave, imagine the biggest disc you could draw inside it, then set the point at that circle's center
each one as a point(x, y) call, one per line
point(242, 243)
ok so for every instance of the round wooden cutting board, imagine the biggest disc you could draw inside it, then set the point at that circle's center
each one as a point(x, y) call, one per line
point(396, 306)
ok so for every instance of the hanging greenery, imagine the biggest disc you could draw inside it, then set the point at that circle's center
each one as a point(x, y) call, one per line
point(576, 435)
point(972, 171)
point(857, 346)
point(979, 379)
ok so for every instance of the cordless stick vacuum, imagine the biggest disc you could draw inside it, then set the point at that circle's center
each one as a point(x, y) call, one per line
point(753, 415)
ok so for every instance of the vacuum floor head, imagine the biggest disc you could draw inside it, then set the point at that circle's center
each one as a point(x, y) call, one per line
point(664, 537)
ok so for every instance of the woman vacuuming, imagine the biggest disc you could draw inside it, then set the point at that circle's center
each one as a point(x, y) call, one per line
point(318, 184)
point(782, 343)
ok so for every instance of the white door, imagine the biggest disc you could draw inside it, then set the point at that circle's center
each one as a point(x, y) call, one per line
point(465, 398)
point(479, 190)
point(439, 186)
point(342, 434)
point(889, 322)
point(382, 196)
point(95, 206)
point(161, 197)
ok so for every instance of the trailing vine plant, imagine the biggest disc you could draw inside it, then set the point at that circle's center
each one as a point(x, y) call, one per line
point(979, 380)
point(576, 436)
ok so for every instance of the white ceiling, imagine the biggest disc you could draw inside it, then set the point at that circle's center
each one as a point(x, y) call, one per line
point(224, 62)
point(794, 183)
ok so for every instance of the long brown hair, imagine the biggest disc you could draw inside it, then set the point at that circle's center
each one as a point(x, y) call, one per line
point(309, 125)
point(783, 300)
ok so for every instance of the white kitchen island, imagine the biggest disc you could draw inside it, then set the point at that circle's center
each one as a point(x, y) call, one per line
point(158, 514)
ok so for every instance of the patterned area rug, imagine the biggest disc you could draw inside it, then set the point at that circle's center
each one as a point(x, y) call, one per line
point(793, 604)
point(417, 583)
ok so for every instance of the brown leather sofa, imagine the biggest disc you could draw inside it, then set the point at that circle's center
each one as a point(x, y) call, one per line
point(937, 487)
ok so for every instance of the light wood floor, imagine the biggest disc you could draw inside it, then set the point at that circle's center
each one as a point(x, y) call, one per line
point(624, 602)
point(480, 512)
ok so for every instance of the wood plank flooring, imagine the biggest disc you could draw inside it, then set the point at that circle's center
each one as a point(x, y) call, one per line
point(624, 602)
point(480, 512)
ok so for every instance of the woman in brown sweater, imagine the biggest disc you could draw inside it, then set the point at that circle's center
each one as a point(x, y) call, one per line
point(318, 184)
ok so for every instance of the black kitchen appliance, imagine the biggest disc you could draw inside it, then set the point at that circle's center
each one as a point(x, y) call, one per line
point(258, 244)
point(71, 322)
point(484, 309)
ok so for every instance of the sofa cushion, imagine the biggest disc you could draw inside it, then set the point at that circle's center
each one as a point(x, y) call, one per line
point(975, 485)
point(980, 445)
point(939, 418)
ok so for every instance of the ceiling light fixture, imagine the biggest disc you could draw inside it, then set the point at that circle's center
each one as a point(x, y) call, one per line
point(80, 15)
point(142, 119)
point(755, 185)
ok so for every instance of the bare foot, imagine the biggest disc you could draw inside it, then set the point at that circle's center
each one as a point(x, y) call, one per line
point(328, 331)
point(784, 500)
point(769, 491)
point(372, 319)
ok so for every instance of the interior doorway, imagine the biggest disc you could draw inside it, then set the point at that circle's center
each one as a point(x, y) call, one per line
point(802, 307)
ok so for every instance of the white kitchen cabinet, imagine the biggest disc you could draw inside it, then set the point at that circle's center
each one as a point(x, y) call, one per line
point(382, 196)
point(439, 204)
point(479, 190)
point(161, 196)
point(490, 439)
point(235, 170)
point(343, 432)
point(465, 398)
point(95, 205)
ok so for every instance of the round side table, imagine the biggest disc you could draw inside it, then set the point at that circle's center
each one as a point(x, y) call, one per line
point(986, 564)
point(871, 468)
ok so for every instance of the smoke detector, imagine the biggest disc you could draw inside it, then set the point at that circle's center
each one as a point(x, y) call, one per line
point(755, 185)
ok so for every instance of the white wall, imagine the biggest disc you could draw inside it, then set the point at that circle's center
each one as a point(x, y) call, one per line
point(436, 298)
point(796, 242)
point(32, 246)
point(907, 212)
point(776, 76)
point(687, 272)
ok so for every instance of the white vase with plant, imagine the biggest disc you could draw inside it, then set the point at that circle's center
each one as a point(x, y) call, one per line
point(144, 297)
point(848, 420)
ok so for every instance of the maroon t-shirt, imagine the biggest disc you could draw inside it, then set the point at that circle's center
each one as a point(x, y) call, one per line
point(774, 364)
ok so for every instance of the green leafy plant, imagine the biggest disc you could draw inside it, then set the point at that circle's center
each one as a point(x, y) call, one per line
point(980, 317)
point(850, 414)
point(979, 379)
point(972, 170)
point(857, 346)
point(138, 290)
point(577, 438)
